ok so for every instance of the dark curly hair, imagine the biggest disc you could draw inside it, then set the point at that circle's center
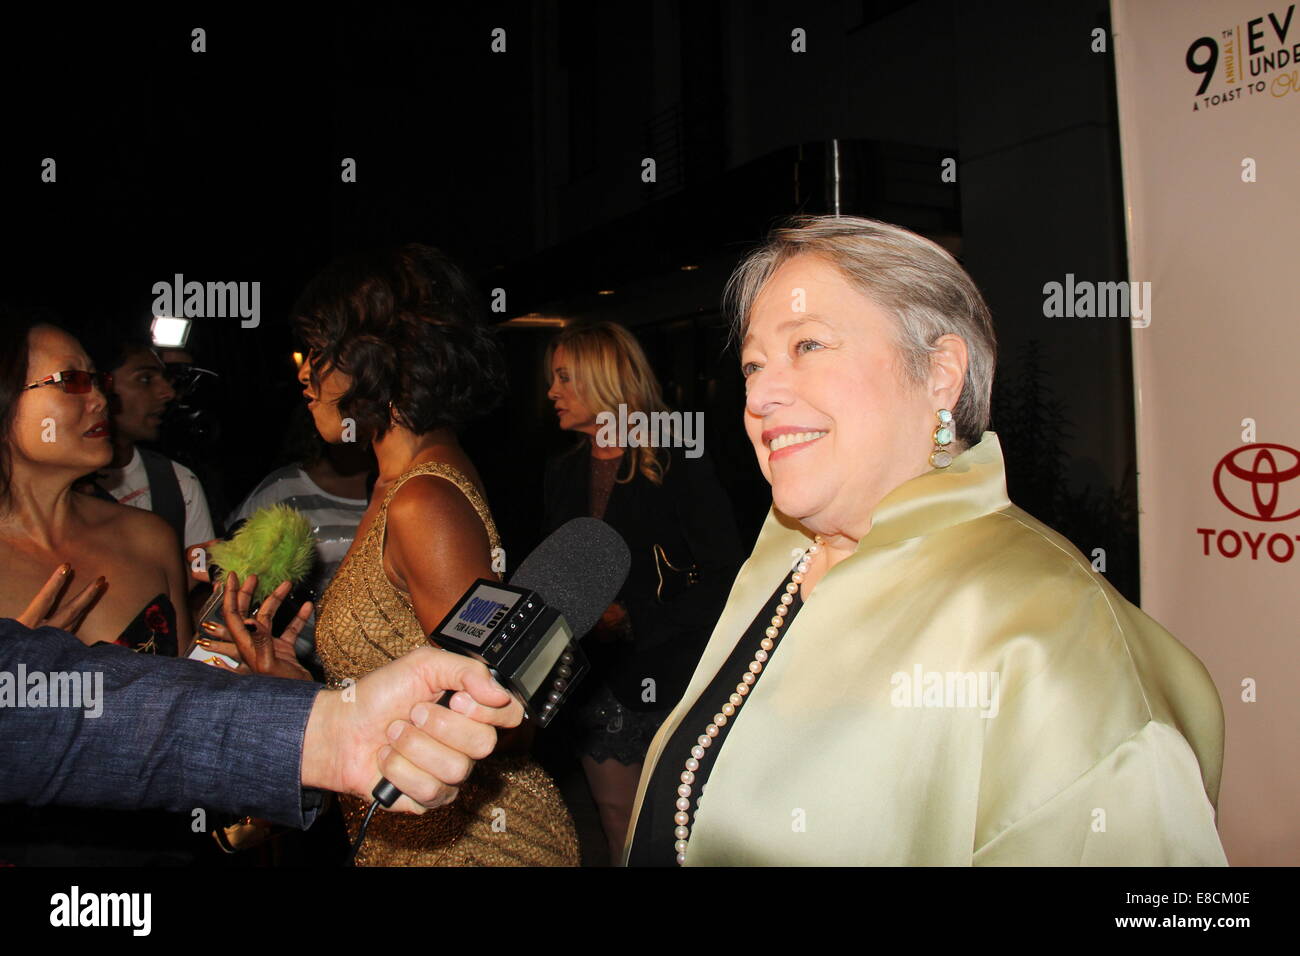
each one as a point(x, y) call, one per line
point(408, 327)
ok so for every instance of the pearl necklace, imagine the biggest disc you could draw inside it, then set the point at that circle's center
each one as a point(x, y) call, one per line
point(682, 832)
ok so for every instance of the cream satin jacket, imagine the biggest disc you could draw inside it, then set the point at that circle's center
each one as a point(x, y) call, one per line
point(962, 689)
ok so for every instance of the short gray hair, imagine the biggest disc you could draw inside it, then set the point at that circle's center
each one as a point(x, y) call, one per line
point(919, 284)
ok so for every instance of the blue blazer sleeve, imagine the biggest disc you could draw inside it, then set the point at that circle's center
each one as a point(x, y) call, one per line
point(166, 734)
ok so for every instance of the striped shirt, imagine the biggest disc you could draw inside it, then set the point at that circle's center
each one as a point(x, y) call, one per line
point(333, 520)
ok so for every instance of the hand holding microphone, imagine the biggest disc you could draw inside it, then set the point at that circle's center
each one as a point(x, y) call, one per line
point(425, 750)
point(526, 632)
point(387, 722)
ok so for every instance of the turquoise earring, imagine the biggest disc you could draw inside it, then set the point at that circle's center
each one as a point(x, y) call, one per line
point(941, 457)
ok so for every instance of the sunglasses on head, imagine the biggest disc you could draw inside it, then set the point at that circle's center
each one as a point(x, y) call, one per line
point(76, 382)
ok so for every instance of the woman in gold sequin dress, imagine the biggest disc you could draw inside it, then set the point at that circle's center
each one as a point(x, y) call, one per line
point(398, 356)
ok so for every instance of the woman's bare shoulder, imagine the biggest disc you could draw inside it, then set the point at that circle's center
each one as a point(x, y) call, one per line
point(430, 500)
point(430, 519)
point(137, 530)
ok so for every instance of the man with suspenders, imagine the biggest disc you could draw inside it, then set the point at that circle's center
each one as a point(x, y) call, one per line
point(141, 477)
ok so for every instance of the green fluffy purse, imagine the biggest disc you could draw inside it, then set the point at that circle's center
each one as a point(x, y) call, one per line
point(275, 543)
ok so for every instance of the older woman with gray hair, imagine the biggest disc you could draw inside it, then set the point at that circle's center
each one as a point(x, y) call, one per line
point(910, 669)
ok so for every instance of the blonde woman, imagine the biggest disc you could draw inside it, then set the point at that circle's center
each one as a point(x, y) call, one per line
point(668, 505)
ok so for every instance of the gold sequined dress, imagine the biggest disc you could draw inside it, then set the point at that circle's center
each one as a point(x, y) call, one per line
point(509, 812)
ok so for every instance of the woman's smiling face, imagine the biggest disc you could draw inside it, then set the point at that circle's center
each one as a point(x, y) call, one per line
point(836, 424)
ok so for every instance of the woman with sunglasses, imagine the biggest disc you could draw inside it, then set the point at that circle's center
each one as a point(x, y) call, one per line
point(105, 572)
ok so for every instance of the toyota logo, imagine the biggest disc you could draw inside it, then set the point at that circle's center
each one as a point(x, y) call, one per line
point(1254, 472)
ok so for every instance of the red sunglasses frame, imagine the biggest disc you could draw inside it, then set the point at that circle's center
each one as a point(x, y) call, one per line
point(76, 381)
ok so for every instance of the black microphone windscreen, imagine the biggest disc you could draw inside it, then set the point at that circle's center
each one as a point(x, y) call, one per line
point(578, 570)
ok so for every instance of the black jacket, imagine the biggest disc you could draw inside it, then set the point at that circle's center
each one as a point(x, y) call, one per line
point(690, 516)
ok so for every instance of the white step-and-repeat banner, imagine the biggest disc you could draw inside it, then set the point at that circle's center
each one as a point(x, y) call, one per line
point(1209, 106)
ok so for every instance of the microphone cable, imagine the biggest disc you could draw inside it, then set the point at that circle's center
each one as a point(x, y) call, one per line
point(386, 794)
point(361, 834)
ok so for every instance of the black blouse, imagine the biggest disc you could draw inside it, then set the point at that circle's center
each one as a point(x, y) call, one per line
point(653, 839)
point(690, 517)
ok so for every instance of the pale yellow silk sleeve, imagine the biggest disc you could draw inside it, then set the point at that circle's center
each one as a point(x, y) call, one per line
point(1108, 746)
point(1143, 804)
